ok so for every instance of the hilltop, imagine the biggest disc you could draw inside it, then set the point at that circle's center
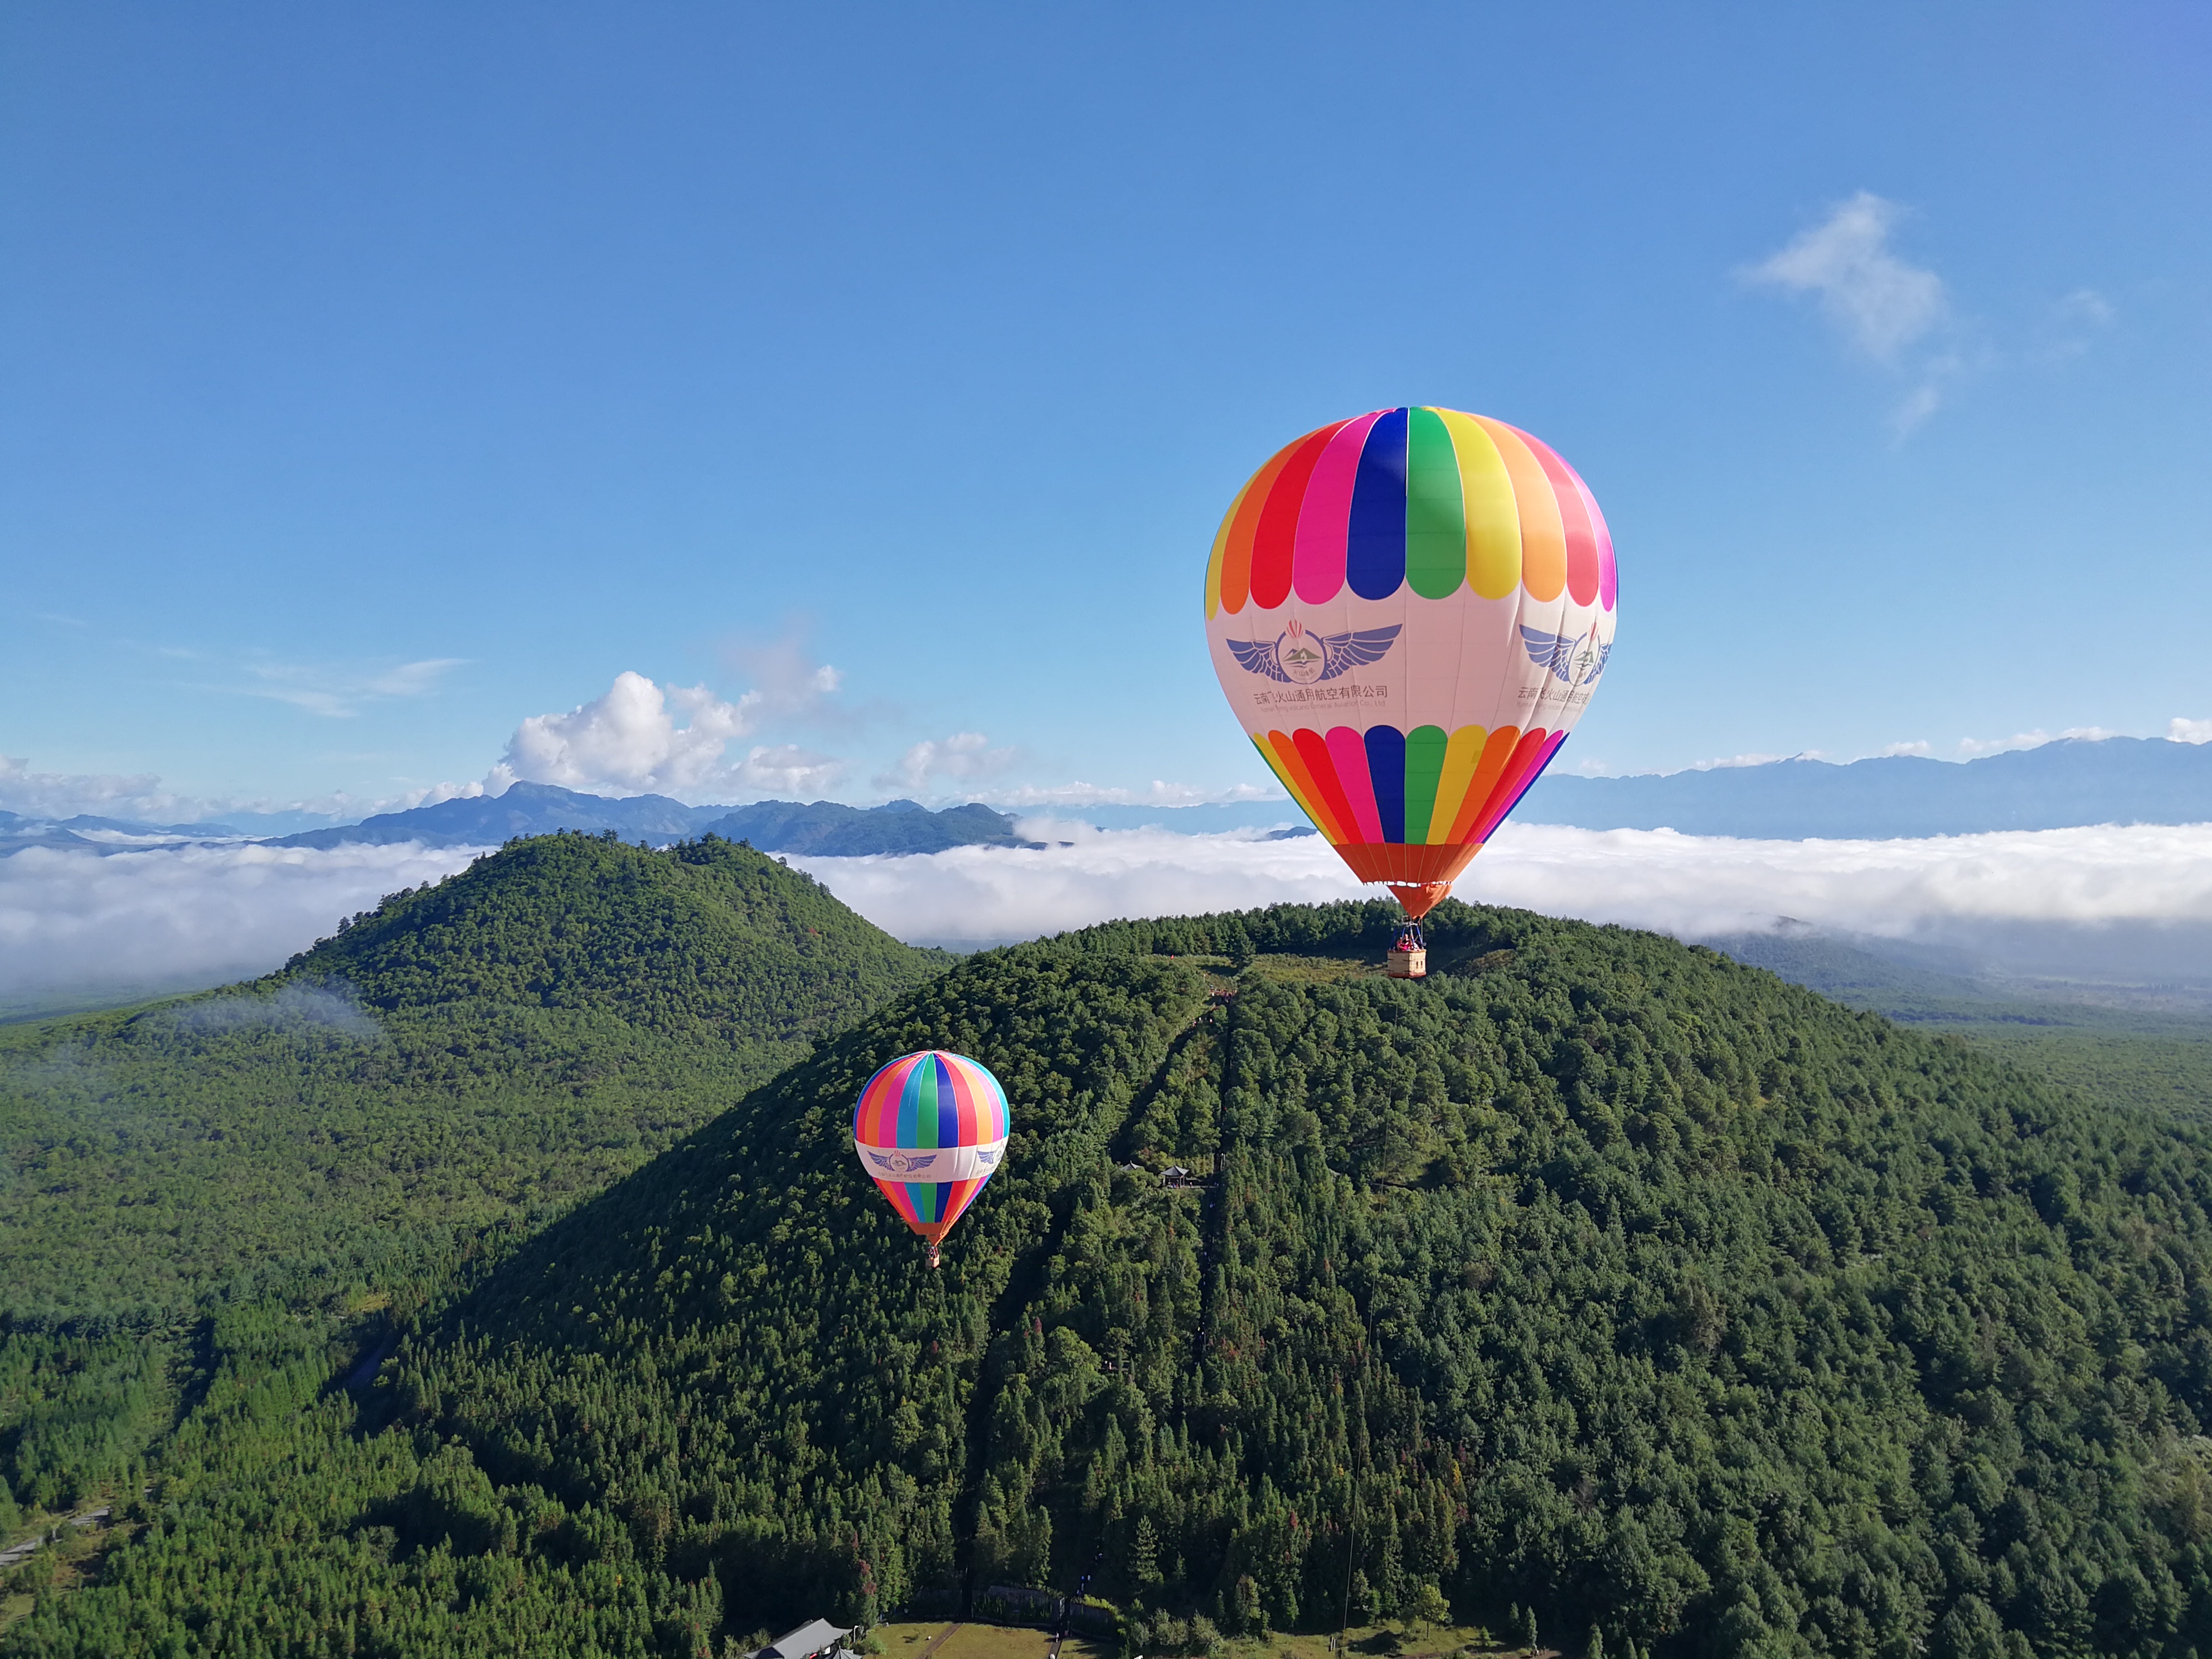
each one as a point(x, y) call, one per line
point(490, 1048)
point(1597, 1275)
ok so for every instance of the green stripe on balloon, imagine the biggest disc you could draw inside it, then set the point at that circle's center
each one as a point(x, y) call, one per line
point(1425, 766)
point(1436, 521)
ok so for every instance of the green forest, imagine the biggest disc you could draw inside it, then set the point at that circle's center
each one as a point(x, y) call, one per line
point(1596, 1280)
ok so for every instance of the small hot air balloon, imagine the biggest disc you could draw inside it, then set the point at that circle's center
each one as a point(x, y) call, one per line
point(1409, 612)
point(930, 1128)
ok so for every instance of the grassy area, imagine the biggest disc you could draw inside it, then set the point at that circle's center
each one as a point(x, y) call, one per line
point(907, 1641)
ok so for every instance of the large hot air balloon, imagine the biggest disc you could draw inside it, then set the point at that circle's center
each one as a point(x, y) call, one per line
point(930, 1128)
point(1409, 611)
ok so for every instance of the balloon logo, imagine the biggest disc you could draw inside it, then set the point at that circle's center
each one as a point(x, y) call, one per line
point(930, 1128)
point(1409, 611)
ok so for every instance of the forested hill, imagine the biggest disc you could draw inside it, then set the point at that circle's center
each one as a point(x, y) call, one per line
point(1596, 1274)
point(493, 1047)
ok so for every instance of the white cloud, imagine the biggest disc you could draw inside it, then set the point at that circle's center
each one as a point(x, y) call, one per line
point(186, 916)
point(331, 1007)
point(1974, 748)
point(1160, 794)
point(2136, 898)
point(788, 770)
point(2071, 324)
point(338, 691)
point(2058, 892)
point(627, 742)
point(1919, 746)
point(2179, 730)
point(62, 795)
point(1753, 760)
point(1881, 304)
point(960, 758)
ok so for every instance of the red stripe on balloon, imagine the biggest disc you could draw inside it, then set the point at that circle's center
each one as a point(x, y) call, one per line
point(1312, 750)
point(1237, 553)
point(1274, 541)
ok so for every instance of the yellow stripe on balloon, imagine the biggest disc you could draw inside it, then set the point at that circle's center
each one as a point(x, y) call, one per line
point(1543, 535)
point(1493, 521)
point(1221, 548)
point(1460, 754)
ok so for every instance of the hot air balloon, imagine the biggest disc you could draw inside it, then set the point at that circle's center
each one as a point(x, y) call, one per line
point(1409, 611)
point(930, 1128)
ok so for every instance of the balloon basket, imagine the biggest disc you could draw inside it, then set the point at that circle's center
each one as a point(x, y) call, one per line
point(1408, 957)
point(929, 1256)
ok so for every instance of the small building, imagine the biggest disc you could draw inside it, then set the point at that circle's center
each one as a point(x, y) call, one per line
point(816, 1636)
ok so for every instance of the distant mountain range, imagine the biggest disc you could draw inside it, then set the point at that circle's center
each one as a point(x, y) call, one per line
point(2055, 787)
point(823, 828)
point(2059, 785)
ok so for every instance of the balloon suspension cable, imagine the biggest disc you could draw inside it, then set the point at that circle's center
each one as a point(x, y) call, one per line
point(930, 1256)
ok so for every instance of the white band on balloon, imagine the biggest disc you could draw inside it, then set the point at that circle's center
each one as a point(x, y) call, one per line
point(930, 1162)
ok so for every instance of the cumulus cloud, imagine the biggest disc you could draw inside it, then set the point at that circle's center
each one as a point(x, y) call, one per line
point(1880, 303)
point(62, 795)
point(626, 741)
point(963, 757)
point(2179, 730)
point(184, 917)
point(640, 738)
point(787, 769)
point(2043, 899)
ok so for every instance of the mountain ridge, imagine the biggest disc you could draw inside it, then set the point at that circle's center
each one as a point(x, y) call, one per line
point(2063, 784)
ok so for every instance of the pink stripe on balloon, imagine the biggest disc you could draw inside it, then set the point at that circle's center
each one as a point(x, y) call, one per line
point(1348, 750)
point(1512, 789)
point(1325, 516)
point(1608, 577)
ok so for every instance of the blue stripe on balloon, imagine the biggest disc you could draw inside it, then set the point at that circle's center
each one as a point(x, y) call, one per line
point(1386, 770)
point(948, 1104)
point(911, 1108)
point(1375, 543)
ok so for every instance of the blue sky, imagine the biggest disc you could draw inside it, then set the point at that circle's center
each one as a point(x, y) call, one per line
point(377, 385)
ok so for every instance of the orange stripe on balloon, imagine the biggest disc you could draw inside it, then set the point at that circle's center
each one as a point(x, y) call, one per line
point(1574, 519)
point(1312, 750)
point(1543, 537)
point(1238, 529)
point(1282, 757)
point(1496, 751)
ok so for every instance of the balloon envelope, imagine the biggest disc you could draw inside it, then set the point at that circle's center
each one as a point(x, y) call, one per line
point(1409, 611)
point(930, 1128)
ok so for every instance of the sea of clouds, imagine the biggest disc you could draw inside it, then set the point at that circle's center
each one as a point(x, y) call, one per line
point(2130, 903)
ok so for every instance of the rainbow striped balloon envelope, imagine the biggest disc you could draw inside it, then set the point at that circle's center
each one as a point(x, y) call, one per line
point(930, 1129)
point(1409, 611)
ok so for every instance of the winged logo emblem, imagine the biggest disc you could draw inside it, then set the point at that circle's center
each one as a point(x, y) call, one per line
point(1576, 659)
point(1298, 658)
point(901, 1162)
